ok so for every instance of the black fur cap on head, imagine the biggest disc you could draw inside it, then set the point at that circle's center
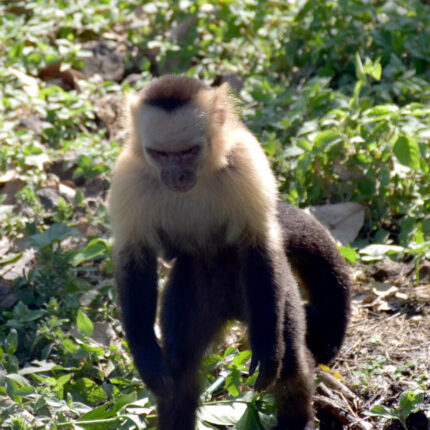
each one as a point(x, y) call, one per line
point(171, 92)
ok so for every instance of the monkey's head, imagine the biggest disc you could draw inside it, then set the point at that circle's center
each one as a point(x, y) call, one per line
point(177, 121)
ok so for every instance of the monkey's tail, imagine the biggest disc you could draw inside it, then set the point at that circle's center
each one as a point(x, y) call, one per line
point(323, 274)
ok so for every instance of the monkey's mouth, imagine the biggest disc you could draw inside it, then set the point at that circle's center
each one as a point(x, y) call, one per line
point(179, 180)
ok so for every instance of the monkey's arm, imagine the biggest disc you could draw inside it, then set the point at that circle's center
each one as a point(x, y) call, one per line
point(136, 277)
point(263, 279)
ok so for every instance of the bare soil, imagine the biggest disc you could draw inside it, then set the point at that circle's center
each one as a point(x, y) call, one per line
point(386, 352)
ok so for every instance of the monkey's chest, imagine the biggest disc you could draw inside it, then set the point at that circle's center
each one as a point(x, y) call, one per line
point(194, 225)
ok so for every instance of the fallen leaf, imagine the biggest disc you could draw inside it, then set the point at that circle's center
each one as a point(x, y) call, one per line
point(29, 83)
point(343, 220)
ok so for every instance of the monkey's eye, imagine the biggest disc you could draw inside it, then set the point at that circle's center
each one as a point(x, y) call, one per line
point(158, 155)
point(194, 150)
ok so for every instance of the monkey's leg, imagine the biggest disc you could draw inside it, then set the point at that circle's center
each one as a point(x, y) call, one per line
point(294, 388)
point(189, 320)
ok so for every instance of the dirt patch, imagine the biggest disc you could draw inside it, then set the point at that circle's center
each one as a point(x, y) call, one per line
point(386, 352)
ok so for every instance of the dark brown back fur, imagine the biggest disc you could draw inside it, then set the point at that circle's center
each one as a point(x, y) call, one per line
point(323, 274)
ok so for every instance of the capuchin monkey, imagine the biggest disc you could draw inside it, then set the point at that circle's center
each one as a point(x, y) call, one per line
point(193, 186)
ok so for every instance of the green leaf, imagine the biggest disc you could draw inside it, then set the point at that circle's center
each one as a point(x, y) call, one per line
point(23, 314)
point(55, 233)
point(95, 248)
point(409, 400)
point(407, 152)
point(10, 258)
point(222, 414)
point(249, 420)
point(11, 342)
point(291, 151)
point(84, 324)
point(233, 381)
point(382, 411)
point(383, 111)
point(42, 366)
point(324, 139)
point(87, 391)
point(349, 254)
point(211, 362)
point(373, 69)
point(17, 386)
point(377, 252)
point(70, 346)
point(241, 359)
point(103, 411)
point(359, 70)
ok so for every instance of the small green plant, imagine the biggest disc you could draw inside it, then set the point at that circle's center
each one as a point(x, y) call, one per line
point(410, 402)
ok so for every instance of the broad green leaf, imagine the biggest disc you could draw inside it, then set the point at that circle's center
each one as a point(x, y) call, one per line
point(325, 138)
point(95, 248)
point(222, 414)
point(211, 362)
point(241, 359)
point(11, 342)
point(55, 233)
point(377, 252)
point(349, 254)
point(233, 381)
point(292, 151)
point(18, 386)
point(407, 152)
point(103, 411)
point(249, 420)
point(88, 391)
point(381, 110)
point(42, 366)
point(84, 324)
point(270, 147)
point(304, 144)
point(23, 314)
point(382, 411)
point(69, 345)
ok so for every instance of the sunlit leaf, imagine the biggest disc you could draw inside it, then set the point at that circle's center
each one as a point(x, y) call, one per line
point(407, 152)
point(96, 248)
point(55, 233)
point(222, 414)
point(84, 324)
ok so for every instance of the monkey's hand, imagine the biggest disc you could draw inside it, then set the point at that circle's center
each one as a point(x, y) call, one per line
point(154, 372)
point(158, 381)
point(269, 370)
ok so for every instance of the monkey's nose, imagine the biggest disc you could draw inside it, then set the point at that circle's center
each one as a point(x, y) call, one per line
point(179, 180)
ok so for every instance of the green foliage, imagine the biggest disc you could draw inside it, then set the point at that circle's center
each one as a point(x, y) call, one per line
point(410, 401)
point(337, 92)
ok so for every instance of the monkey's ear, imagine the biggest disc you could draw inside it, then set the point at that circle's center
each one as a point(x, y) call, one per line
point(130, 101)
point(225, 88)
point(222, 103)
point(129, 113)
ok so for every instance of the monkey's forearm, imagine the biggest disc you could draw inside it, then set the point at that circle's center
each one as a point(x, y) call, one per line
point(137, 287)
point(263, 280)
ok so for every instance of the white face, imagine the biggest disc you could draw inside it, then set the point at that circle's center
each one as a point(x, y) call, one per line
point(173, 143)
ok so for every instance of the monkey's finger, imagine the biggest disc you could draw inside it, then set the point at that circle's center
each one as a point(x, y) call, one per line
point(253, 365)
point(262, 383)
point(269, 371)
